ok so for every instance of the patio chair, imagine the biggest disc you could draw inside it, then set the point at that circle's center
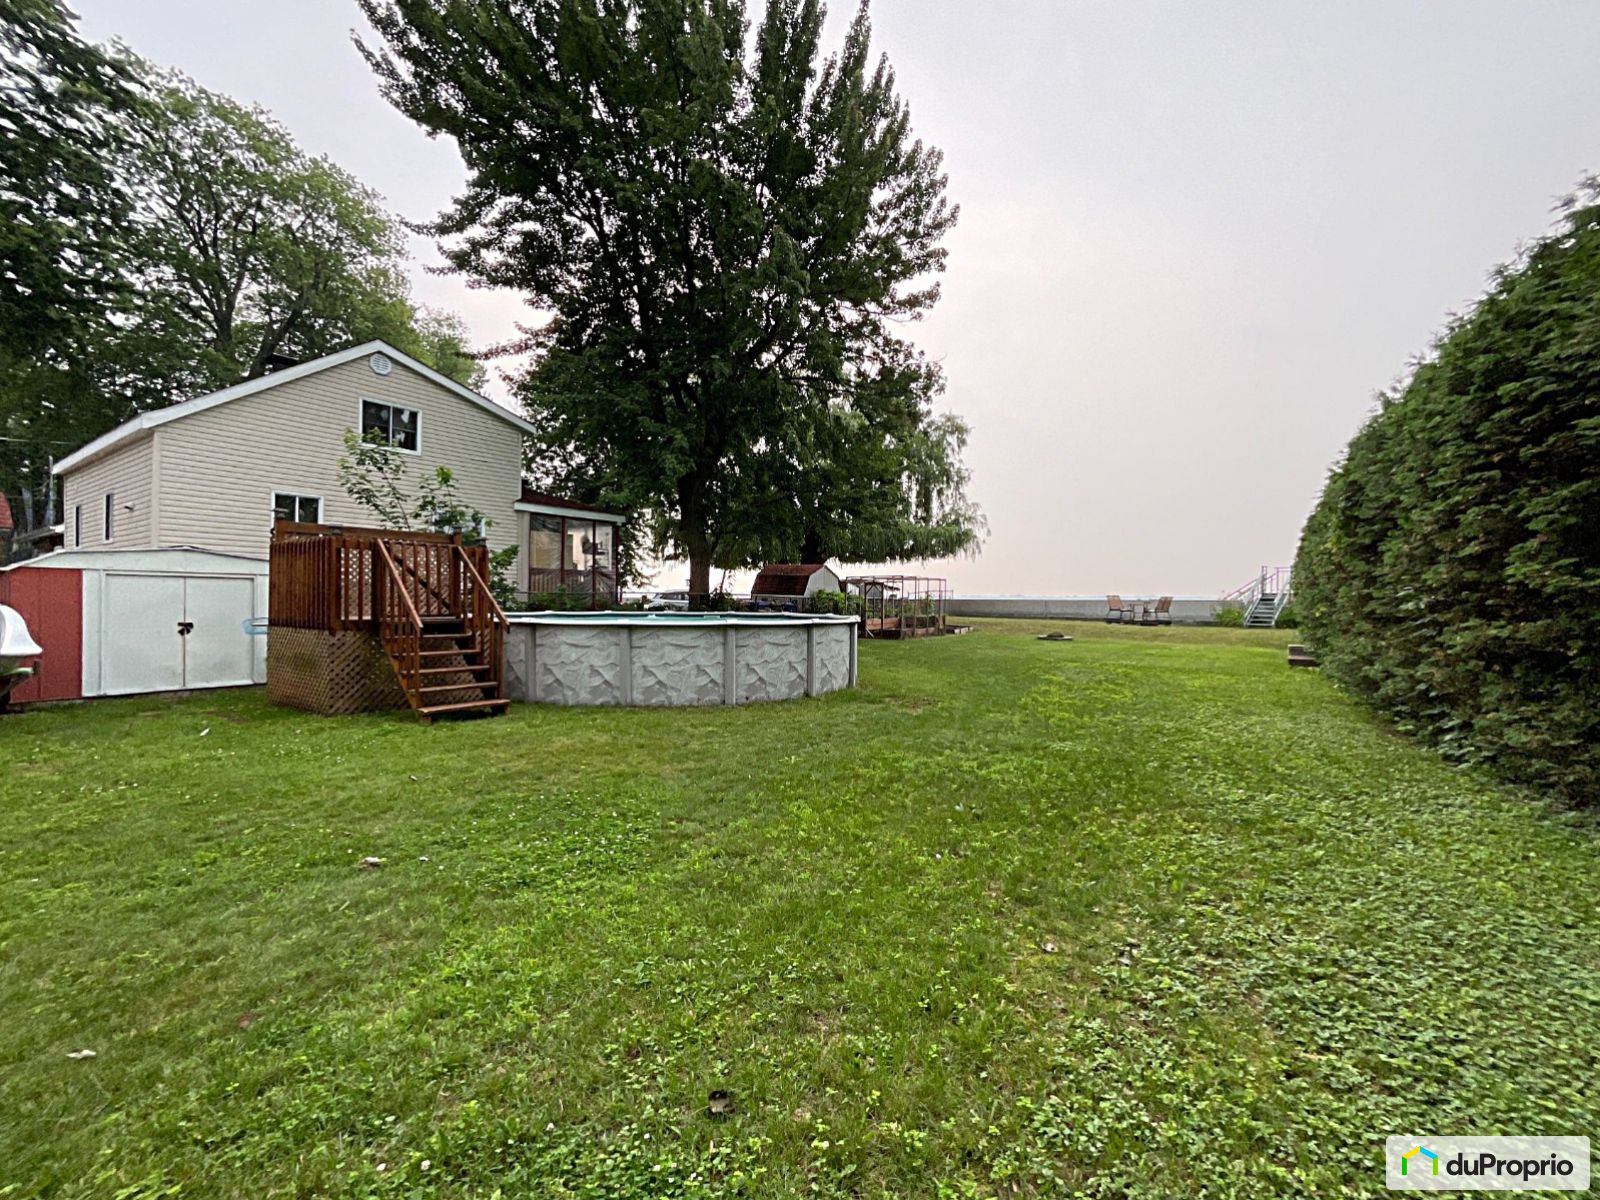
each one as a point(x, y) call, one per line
point(1117, 611)
point(1158, 614)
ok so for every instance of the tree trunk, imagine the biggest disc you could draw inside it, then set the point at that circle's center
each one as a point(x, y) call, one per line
point(700, 580)
point(812, 549)
point(692, 526)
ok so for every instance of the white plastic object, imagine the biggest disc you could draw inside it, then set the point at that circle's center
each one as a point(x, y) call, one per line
point(15, 643)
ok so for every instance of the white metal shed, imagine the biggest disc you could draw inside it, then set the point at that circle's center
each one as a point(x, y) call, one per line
point(167, 620)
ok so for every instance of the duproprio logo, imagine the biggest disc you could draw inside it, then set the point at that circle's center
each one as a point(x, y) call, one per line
point(1415, 1151)
point(1433, 1163)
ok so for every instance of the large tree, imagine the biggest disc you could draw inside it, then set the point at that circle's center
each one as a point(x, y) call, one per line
point(62, 221)
point(249, 248)
point(726, 230)
point(161, 241)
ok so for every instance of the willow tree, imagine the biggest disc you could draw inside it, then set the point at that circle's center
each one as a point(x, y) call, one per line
point(726, 228)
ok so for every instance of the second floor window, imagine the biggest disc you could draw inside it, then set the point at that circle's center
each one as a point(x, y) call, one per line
point(392, 425)
point(111, 502)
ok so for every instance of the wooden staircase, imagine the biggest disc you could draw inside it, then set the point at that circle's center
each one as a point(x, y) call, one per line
point(441, 627)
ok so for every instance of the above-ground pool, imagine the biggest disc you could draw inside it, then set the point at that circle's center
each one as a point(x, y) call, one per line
point(676, 658)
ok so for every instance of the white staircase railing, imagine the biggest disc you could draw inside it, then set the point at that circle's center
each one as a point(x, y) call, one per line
point(1271, 589)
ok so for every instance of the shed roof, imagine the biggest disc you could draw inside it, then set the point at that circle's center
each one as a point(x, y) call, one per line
point(536, 501)
point(785, 579)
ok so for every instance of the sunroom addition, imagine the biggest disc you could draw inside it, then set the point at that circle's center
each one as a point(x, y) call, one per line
point(571, 552)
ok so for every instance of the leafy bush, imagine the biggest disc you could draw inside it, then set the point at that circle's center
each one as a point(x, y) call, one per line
point(1289, 617)
point(1231, 617)
point(1450, 574)
point(828, 602)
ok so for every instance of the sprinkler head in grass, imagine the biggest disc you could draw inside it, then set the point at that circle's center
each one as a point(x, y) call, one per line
point(720, 1106)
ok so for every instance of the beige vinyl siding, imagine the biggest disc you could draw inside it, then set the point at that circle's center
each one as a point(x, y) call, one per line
point(129, 473)
point(219, 468)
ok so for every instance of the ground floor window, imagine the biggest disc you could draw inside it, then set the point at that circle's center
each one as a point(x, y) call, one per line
point(288, 506)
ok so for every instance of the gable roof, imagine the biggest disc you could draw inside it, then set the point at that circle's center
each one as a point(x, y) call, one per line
point(786, 579)
point(174, 412)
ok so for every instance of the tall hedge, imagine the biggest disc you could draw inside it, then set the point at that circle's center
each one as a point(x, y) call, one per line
point(1450, 574)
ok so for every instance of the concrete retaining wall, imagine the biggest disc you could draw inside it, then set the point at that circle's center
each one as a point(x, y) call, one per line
point(1186, 610)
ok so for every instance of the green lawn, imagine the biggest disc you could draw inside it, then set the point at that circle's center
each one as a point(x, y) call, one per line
point(1146, 914)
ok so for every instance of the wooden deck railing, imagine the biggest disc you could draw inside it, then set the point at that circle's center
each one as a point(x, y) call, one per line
point(325, 576)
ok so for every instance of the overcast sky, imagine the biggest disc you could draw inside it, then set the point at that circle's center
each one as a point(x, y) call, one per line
point(1195, 238)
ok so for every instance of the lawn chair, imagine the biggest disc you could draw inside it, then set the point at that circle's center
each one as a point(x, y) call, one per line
point(1117, 611)
point(1159, 614)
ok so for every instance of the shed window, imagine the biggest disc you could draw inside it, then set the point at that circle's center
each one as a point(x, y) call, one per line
point(286, 506)
point(391, 425)
point(111, 500)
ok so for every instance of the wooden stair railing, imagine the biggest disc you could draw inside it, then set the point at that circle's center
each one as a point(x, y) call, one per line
point(400, 627)
point(441, 628)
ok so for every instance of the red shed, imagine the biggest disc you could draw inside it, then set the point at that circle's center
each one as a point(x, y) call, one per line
point(51, 602)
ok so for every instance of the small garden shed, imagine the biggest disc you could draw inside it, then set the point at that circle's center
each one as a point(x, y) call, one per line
point(795, 580)
point(120, 622)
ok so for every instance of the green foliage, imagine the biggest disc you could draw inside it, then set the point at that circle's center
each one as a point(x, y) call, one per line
point(374, 475)
point(728, 230)
point(63, 220)
point(167, 242)
point(828, 602)
point(1451, 573)
point(559, 600)
point(1125, 919)
point(249, 248)
point(61, 213)
point(1288, 617)
point(1231, 617)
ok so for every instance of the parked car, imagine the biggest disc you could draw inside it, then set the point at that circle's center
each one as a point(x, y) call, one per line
point(667, 602)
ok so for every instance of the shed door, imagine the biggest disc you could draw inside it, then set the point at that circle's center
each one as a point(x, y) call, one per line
point(140, 649)
point(217, 651)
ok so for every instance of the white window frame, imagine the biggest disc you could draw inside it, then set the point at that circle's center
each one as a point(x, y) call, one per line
point(108, 526)
point(272, 503)
point(361, 423)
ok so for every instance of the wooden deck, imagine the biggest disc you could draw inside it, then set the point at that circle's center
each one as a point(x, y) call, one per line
point(423, 596)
